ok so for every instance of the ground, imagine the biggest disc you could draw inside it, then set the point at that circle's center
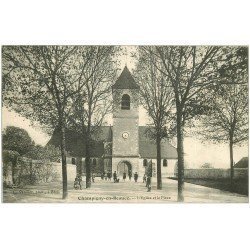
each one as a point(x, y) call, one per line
point(240, 185)
point(129, 192)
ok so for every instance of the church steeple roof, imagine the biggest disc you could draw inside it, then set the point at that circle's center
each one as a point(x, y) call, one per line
point(125, 81)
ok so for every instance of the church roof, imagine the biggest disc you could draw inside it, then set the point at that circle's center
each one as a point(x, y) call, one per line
point(243, 163)
point(75, 144)
point(125, 81)
point(147, 146)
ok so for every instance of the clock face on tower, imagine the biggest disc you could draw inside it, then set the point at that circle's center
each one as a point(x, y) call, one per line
point(125, 135)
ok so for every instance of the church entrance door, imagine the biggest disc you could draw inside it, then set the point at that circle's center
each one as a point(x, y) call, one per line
point(124, 166)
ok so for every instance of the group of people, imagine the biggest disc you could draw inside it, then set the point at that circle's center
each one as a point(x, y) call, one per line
point(146, 179)
point(124, 176)
point(108, 176)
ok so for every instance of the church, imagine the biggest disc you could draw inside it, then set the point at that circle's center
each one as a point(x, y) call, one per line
point(125, 146)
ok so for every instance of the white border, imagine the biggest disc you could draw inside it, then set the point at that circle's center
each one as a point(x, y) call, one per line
point(187, 226)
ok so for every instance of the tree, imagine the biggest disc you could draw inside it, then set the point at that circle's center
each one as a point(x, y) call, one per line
point(227, 119)
point(39, 84)
point(17, 139)
point(190, 69)
point(157, 99)
point(93, 101)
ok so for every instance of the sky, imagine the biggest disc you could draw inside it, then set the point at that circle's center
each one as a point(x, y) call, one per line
point(196, 152)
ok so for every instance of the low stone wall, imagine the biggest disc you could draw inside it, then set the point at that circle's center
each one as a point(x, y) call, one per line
point(240, 173)
point(207, 173)
point(214, 173)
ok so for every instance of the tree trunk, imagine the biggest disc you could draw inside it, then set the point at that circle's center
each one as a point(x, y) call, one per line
point(13, 170)
point(88, 167)
point(87, 159)
point(64, 162)
point(158, 145)
point(231, 164)
point(180, 152)
point(31, 175)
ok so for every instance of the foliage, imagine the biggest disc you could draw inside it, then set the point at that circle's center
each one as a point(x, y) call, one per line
point(31, 172)
point(158, 99)
point(155, 95)
point(40, 81)
point(49, 152)
point(9, 156)
point(17, 139)
point(227, 118)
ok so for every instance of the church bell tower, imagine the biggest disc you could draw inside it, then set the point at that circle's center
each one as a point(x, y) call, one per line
point(125, 151)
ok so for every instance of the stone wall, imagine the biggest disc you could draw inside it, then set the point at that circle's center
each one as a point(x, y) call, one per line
point(214, 173)
point(241, 173)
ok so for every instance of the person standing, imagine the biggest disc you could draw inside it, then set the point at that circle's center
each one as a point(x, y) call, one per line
point(135, 176)
point(129, 174)
point(144, 178)
point(80, 182)
point(148, 184)
point(124, 176)
point(109, 175)
point(115, 176)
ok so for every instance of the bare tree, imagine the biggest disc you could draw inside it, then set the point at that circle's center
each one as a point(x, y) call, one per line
point(157, 99)
point(189, 70)
point(93, 102)
point(227, 118)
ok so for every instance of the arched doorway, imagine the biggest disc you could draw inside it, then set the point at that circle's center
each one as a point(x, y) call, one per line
point(124, 166)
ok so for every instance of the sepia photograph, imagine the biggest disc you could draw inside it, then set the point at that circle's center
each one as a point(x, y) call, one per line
point(125, 124)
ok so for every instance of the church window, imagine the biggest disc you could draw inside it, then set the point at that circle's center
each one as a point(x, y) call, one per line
point(165, 163)
point(125, 102)
point(94, 162)
point(145, 163)
point(73, 161)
